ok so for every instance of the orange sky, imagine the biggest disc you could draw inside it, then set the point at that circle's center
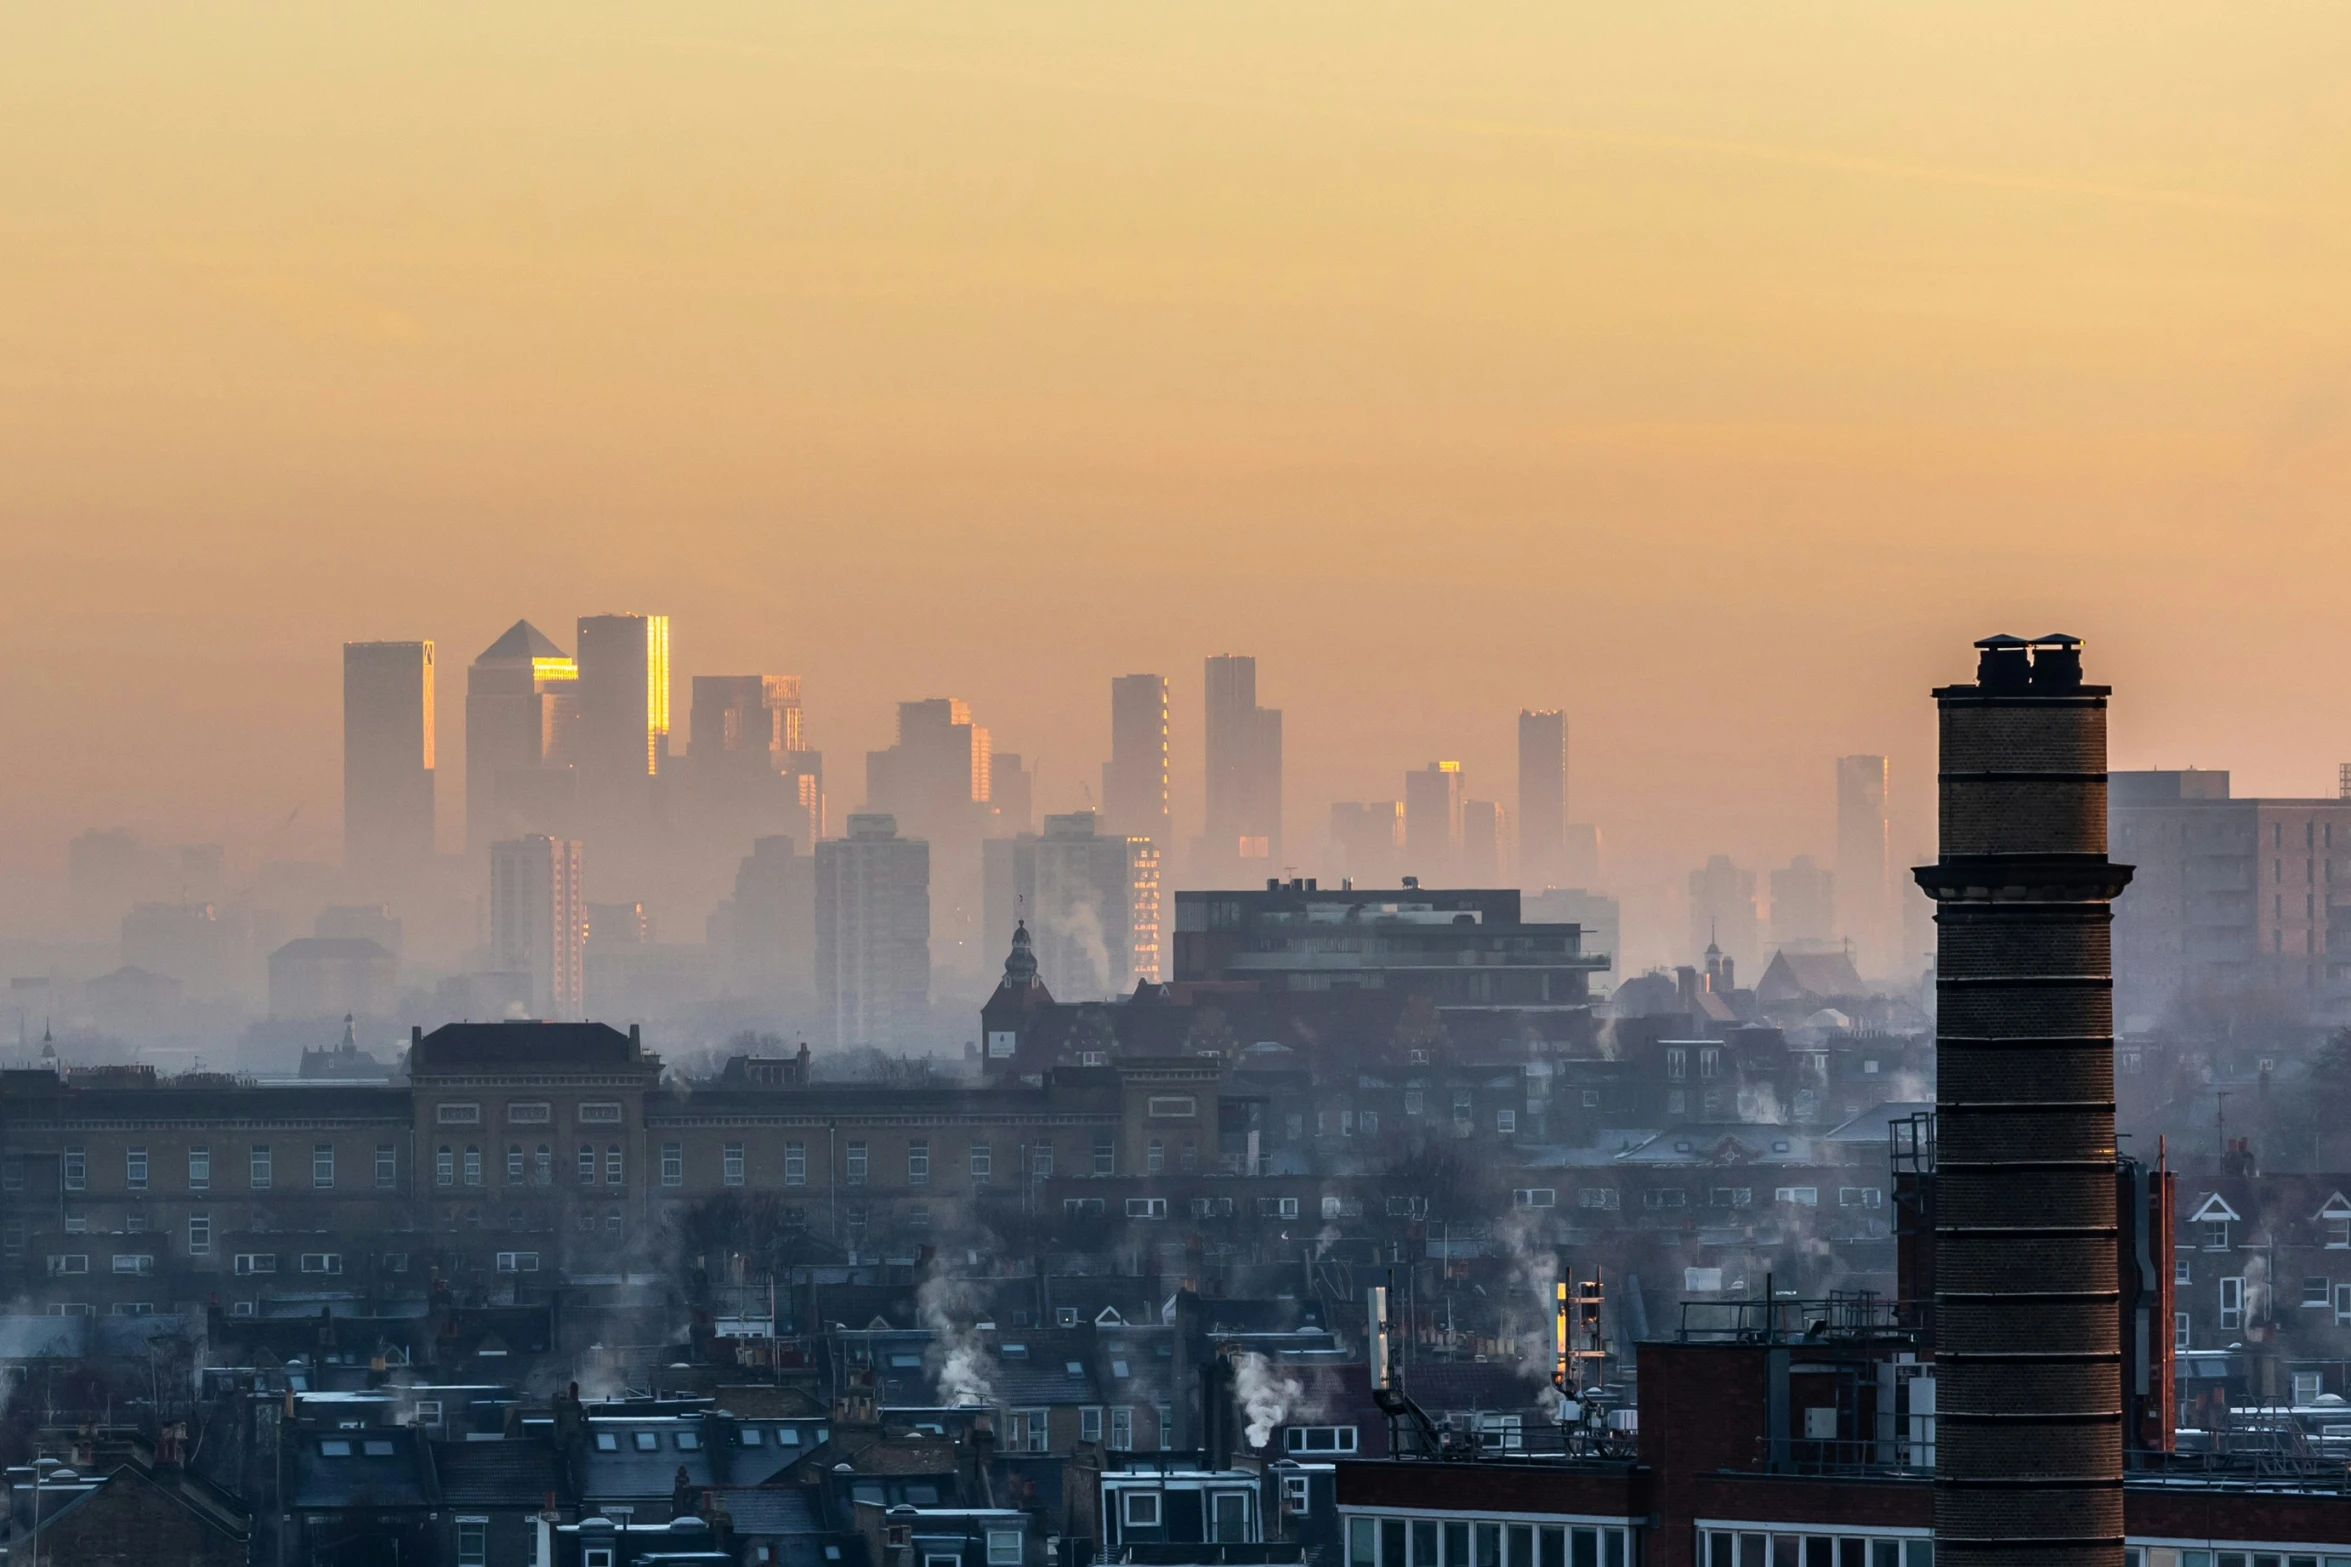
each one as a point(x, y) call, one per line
point(1716, 371)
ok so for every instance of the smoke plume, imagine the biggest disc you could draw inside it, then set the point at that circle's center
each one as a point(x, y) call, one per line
point(1534, 1272)
point(965, 1371)
point(1266, 1396)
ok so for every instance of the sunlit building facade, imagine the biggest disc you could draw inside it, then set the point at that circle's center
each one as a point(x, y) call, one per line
point(521, 716)
point(539, 921)
point(387, 755)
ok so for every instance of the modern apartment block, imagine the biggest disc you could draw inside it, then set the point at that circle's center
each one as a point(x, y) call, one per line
point(1135, 779)
point(539, 921)
point(1090, 899)
point(873, 932)
point(1243, 832)
point(1542, 799)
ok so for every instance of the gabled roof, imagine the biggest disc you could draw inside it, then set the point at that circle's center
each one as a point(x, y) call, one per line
point(1819, 974)
point(519, 642)
point(2337, 1206)
point(518, 1472)
point(2212, 1208)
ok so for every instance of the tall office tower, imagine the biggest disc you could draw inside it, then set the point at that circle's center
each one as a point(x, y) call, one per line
point(937, 783)
point(1722, 910)
point(1864, 861)
point(1011, 795)
point(1581, 861)
point(1486, 860)
point(1134, 780)
point(873, 931)
point(748, 765)
point(771, 925)
point(1433, 798)
point(387, 756)
point(624, 707)
point(1542, 798)
point(1369, 838)
point(2028, 1319)
point(1243, 805)
point(539, 921)
point(1803, 903)
point(1090, 901)
point(521, 707)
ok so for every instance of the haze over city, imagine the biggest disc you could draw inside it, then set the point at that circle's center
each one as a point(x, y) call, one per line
point(1230, 785)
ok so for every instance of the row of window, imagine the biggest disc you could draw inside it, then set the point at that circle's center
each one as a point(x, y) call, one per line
point(529, 1112)
point(260, 1168)
point(980, 1162)
point(1717, 1197)
point(246, 1263)
point(1433, 1542)
point(1753, 1548)
point(449, 1161)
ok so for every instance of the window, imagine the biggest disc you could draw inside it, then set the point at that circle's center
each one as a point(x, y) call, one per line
point(13, 1231)
point(70, 1262)
point(731, 1164)
point(257, 1168)
point(1090, 1425)
point(1802, 1196)
point(1297, 1495)
point(77, 1224)
point(395, 1262)
point(2182, 1270)
point(473, 1165)
point(2338, 1231)
point(1141, 1507)
point(856, 1164)
point(199, 1168)
point(1731, 1197)
point(1030, 1430)
point(918, 1162)
point(1081, 1207)
point(387, 1166)
point(2181, 1329)
point(2306, 1387)
point(1155, 1156)
point(1677, 1065)
point(1591, 1098)
point(1105, 1156)
point(457, 1115)
point(1004, 1548)
point(1412, 1102)
point(587, 1164)
point(1042, 1161)
point(1277, 1207)
point(1462, 1105)
point(1318, 1439)
point(647, 1441)
point(1212, 1207)
point(322, 1262)
point(612, 1165)
point(1366, 1120)
point(252, 1262)
point(1146, 1207)
point(134, 1169)
point(1534, 1197)
point(1122, 1428)
point(2342, 1305)
point(1506, 1122)
point(1607, 1198)
point(199, 1234)
point(518, 1262)
point(2232, 1303)
point(514, 1164)
point(673, 1163)
point(322, 1164)
point(75, 1169)
point(473, 1542)
point(2316, 1293)
point(444, 1166)
point(134, 1262)
point(543, 1166)
point(795, 1164)
point(604, 1112)
point(1665, 1197)
point(1174, 1107)
point(983, 1164)
point(530, 1112)
point(1860, 1197)
point(2216, 1235)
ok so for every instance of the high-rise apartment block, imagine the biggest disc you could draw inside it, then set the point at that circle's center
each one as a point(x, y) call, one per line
point(1486, 860)
point(1433, 801)
point(1091, 902)
point(1542, 798)
point(521, 715)
point(1368, 836)
point(2232, 896)
point(387, 755)
point(539, 921)
point(1803, 903)
point(936, 780)
point(873, 931)
point(1243, 804)
point(1864, 863)
point(1134, 780)
point(770, 926)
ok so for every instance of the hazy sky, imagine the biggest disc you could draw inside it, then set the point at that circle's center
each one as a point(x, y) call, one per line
point(1714, 370)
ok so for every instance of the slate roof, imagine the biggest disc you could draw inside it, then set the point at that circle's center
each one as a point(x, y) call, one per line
point(44, 1338)
point(519, 1042)
point(517, 1472)
point(633, 1472)
point(378, 1467)
point(771, 1510)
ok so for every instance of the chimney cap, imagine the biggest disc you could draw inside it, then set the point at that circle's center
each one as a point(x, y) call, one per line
point(2001, 640)
point(2055, 639)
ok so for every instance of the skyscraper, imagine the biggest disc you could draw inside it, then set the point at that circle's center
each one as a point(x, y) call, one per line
point(748, 764)
point(521, 706)
point(1090, 901)
point(1011, 795)
point(937, 783)
point(1542, 798)
point(1863, 858)
point(873, 928)
point(1134, 780)
point(1486, 860)
point(1369, 838)
point(1722, 910)
point(624, 704)
point(539, 921)
point(1803, 903)
point(771, 924)
point(1433, 800)
point(1243, 805)
point(387, 755)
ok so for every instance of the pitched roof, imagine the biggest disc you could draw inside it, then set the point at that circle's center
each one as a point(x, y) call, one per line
point(520, 641)
point(515, 1472)
point(1821, 974)
point(771, 1510)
